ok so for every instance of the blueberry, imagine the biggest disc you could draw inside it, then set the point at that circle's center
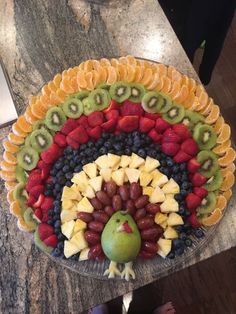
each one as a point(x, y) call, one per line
point(95, 155)
point(178, 197)
point(198, 233)
point(185, 185)
point(162, 169)
point(57, 231)
point(58, 196)
point(103, 150)
point(166, 171)
point(170, 162)
point(183, 236)
point(50, 222)
point(179, 228)
point(72, 164)
point(182, 210)
point(142, 153)
point(60, 245)
point(68, 183)
point(134, 149)
point(137, 143)
point(61, 236)
point(56, 252)
point(48, 186)
point(82, 154)
point(183, 192)
point(68, 150)
point(175, 169)
point(57, 204)
point(62, 181)
point(53, 172)
point(78, 168)
point(88, 151)
point(163, 162)
point(177, 243)
point(128, 151)
point(158, 156)
point(66, 168)
point(105, 135)
point(100, 142)
point(188, 242)
point(129, 142)
point(179, 251)
point(84, 162)
point(57, 224)
point(50, 212)
point(69, 175)
point(90, 144)
point(171, 255)
point(184, 177)
point(176, 177)
point(58, 165)
point(183, 166)
point(152, 153)
point(59, 173)
point(187, 213)
point(48, 193)
point(117, 146)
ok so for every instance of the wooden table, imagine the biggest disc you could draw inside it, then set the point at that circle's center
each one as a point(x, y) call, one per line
point(37, 40)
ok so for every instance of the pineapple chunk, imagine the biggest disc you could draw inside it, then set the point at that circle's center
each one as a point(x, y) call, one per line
point(157, 196)
point(89, 192)
point(164, 225)
point(169, 205)
point(79, 240)
point(79, 225)
point(70, 249)
point(118, 176)
point(164, 247)
point(102, 161)
point(67, 204)
point(125, 161)
point(113, 160)
point(67, 215)
point(148, 190)
point(132, 174)
point(142, 168)
point(85, 206)
point(81, 180)
point(151, 164)
point(90, 169)
point(170, 233)
point(174, 220)
point(83, 256)
point(159, 179)
point(106, 174)
point(67, 228)
point(69, 194)
point(160, 218)
point(96, 183)
point(145, 178)
point(136, 161)
point(171, 187)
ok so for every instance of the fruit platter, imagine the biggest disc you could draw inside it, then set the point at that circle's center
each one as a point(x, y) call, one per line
point(117, 165)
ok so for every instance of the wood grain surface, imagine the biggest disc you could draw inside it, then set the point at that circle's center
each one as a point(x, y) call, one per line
point(37, 40)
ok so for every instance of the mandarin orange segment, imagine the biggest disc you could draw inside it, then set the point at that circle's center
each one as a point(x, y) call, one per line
point(154, 82)
point(54, 99)
point(102, 73)
point(218, 124)
point(114, 62)
point(228, 158)
point(185, 80)
point(52, 87)
point(37, 110)
point(16, 130)
point(96, 78)
point(73, 71)
point(12, 148)
point(122, 71)
point(231, 167)
point(57, 80)
point(205, 111)
point(228, 181)
point(10, 158)
point(7, 166)
point(221, 148)
point(46, 90)
point(8, 175)
point(160, 84)
point(221, 202)
point(224, 134)
point(176, 76)
point(15, 209)
point(89, 79)
point(105, 62)
point(10, 196)
point(9, 185)
point(131, 60)
point(130, 73)
point(161, 69)
point(81, 81)
point(192, 85)
point(203, 98)
point(111, 75)
point(66, 85)
point(73, 83)
point(195, 104)
point(23, 124)
point(15, 139)
point(199, 90)
point(61, 94)
point(211, 220)
point(138, 74)
point(189, 100)
point(166, 84)
point(175, 90)
point(227, 194)
point(183, 94)
point(213, 115)
point(144, 63)
point(22, 225)
point(29, 116)
point(32, 99)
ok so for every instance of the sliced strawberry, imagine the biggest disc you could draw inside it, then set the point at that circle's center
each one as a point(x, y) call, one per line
point(190, 147)
point(153, 116)
point(72, 143)
point(47, 203)
point(128, 123)
point(51, 241)
point(45, 231)
point(69, 126)
point(193, 165)
point(95, 132)
point(112, 114)
point(95, 118)
point(33, 180)
point(38, 214)
point(110, 125)
point(192, 219)
point(60, 139)
point(170, 149)
point(36, 190)
point(113, 105)
point(182, 130)
point(129, 108)
point(31, 200)
point(39, 201)
point(162, 125)
point(169, 136)
point(181, 157)
point(198, 179)
point(83, 120)
point(146, 124)
point(51, 154)
point(156, 137)
point(201, 192)
point(79, 135)
point(192, 201)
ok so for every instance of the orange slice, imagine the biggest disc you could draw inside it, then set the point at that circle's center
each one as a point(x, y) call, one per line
point(22, 225)
point(37, 110)
point(66, 85)
point(199, 90)
point(183, 94)
point(224, 134)
point(147, 77)
point(96, 78)
point(81, 81)
point(161, 69)
point(9, 185)
point(8, 175)
point(73, 71)
point(203, 99)
point(175, 75)
point(88, 66)
point(7, 166)
point(46, 90)
point(10, 158)
point(24, 125)
point(192, 85)
point(185, 80)
point(228, 158)
point(154, 82)
point(195, 104)
point(221, 149)
point(10, 196)
point(228, 181)
point(218, 124)
point(54, 99)
point(207, 109)
point(105, 62)
point(166, 85)
point(221, 202)
point(9, 147)
point(89, 80)
point(102, 73)
point(175, 91)
point(57, 80)
point(231, 167)
point(131, 60)
point(227, 194)
point(123, 60)
point(112, 75)
point(73, 83)
point(211, 220)
point(144, 63)
point(130, 73)
point(122, 71)
point(15, 139)
point(189, 100)
point(138, 74)
point(52, 87)
point(213, 115)
point(32, 99)
point(114, 62)
point(160, 84)
point(29, 116)
point(61, 94)
point(15, 209)
point(16, 130)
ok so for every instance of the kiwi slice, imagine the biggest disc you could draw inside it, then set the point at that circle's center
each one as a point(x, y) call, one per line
point(43, 247)
point(152, 101)
point(21, 175)
point(28, 217)
point(192, 118)
point(80, 95)
point(55, 118)
point(205, 136)
point(208, 162)
point(120, 91)
point(88, 107)
point(73, 108)
point(18, 193)
point(208, 204)
point(165, 104)
point(214, 182)
point(40, 140)
point(104, 86)
point(175, 114)
point(99, 99)
point(27, 158)
point(137, 92)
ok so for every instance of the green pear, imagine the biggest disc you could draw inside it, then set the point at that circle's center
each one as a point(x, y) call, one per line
point(121, 240)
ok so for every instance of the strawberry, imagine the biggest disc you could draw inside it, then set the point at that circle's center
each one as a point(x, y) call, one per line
point(128, 108)
point(69, 126)
point(193, 165)
point(198, 179)
point(95, 132)
point(156, 137)
point(128, 123)
point(162, 125)
point(51, 241)
point(79, 135)
point(45, 217)
point(170, 149)
point(39, 201)
point(47, 203)
point(182, 130)
point(146, 124)
point(146, 255)
point(72, 143)
point(201, 192)
point(45, 231)
point(113, 105)
point(190, 147)
point(110, 125)
point(181, 156)
point(36, 190)
point(169, 136)
point(33, 179)
point(192, 219)
point(45, 173)
point(38, 214)
point(192, 201)
point(95, 118)
point(51, 154)
point(153, 116)
point(60, 139)
point(42, 165)
point(112, 114)
point(31, 200)
point(49, 180)
point(83, 120)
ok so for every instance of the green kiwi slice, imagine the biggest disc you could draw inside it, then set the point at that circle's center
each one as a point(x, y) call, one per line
point(88, 107)
point(99, 99)
point(27, 141)
point(152, 101)
point(28, 217)
point(208, 204)
point(104, 86)
point(18, 193)
point(166, 104)
point(214, 183)
point(192, 118)
point(80, 95)
point(55, 118)
point(27, 158)
point(73, 108)
point(21, 175)
point(137, 92)
point(43, 247)
point(208, 162)
point(175, 114)
point(120, 91)
point(40, 140)
point(205, 136)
